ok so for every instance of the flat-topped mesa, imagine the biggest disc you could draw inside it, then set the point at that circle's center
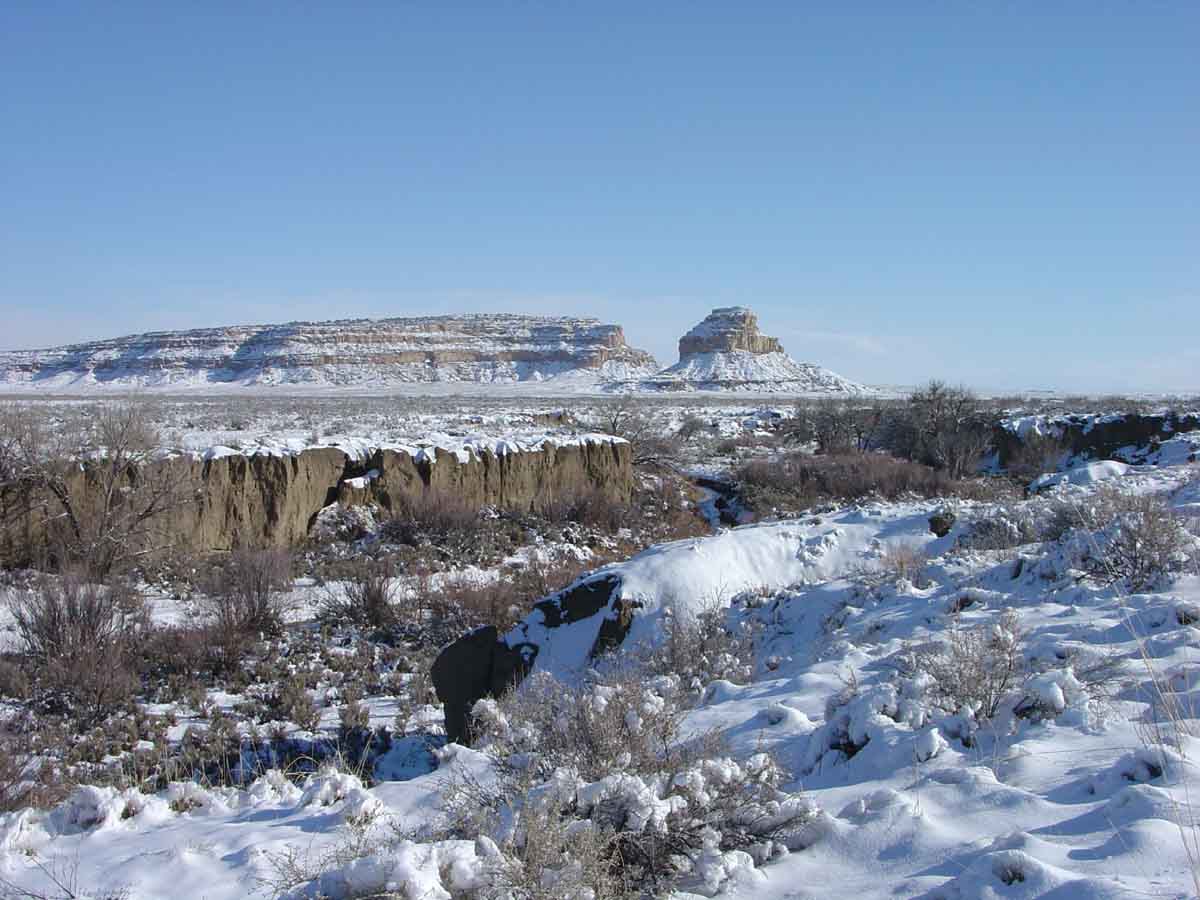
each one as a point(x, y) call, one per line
point(481, 348)
point(726, 352)
point(726, 329)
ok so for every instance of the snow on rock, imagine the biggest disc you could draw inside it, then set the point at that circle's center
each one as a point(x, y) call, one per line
point(1086, 474)
point(687, 577)
point(726, 352)
point(477, 349)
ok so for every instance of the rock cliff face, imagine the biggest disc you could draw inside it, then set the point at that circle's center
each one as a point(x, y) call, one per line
point(727, 329)
point(272, 500)
point(468, 348)
point(726, 352)
point(1131, 437)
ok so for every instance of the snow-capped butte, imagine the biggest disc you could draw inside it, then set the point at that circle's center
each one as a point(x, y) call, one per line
point(480, 348)
point(726, 352)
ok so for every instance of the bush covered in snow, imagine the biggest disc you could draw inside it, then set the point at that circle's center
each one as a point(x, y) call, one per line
point(698, 649)
point(595, 782)
point(974, 669)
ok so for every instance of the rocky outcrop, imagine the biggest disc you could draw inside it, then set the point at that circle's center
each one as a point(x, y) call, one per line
point(237, 500)
point(482, 664)
point(727, 329)
point(1131, 437)
point(726, 352)
point(477, 665)
point(482, 348)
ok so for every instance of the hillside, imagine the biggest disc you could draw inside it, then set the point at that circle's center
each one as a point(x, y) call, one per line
point(727, 352)
point(912, 767)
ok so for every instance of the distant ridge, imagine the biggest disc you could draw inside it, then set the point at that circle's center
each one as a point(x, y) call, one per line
point(475, 348)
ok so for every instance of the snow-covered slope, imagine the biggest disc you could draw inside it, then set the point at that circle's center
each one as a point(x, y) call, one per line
point(739, 370)
point(726, 352)
point(480, 349)
point(1079, 786)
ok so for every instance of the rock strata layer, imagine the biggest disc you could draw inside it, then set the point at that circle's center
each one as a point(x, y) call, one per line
point(482, 348)
point(727, 352)
point(273, 500)
point(727, 329)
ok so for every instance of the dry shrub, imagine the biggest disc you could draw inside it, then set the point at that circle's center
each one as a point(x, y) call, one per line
point(244, 600)
point(244, 592)
point(628, 418)
point(459, 604)
point(590, 506)
point(949, 428)
point(835, 425)
point(80, 640)
point(702, 648)
point(906, 561)
point(177, 654)
point(1144, 545)
point(587, 757)
point(292, 702)
point(1090, 512)
point(799, 480)
point(1007, 526)
point(92, 481)
point(443, 518)
point(26, 780)
point(1136, 538)
point(366, 597)
point(974, 669)
point(1036, 454)
point(615, 723)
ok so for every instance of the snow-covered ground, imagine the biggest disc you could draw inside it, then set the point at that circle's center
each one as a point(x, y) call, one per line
point(742, 371)
point(1079, 786)
point(284, 426)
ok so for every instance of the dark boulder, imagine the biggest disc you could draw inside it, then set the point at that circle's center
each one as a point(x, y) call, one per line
point(480, 664)
point(476, 665)
point(941, 522)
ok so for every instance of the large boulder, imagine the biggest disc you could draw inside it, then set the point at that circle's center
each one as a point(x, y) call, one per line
point(483, 664)
point(477, 665)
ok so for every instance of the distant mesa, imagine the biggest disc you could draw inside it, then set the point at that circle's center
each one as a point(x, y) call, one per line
point(727, 352)
point(726, 330)
point(477, 349)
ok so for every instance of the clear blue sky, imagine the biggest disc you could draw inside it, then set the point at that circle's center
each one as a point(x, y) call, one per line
point(1006, 194)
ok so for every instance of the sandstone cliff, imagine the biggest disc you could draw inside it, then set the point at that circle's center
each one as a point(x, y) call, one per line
point(272, 500)
point(727, 352)
point(726, 329)
point(482, 348)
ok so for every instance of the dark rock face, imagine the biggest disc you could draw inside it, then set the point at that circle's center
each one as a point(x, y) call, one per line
point(941, 522)
point(1099, 437)
point(578, 603)
point(477, 665)
point(480, 664)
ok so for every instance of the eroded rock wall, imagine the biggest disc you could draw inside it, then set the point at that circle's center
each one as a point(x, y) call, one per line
point(1100, 437)
point(272, 500)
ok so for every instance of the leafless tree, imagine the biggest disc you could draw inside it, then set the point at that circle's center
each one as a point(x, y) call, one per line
point(80, 637)
point(950, 429)
point(87, 487)
point(623, 417)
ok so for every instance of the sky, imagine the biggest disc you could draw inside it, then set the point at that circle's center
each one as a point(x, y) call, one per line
point(1003, 194)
